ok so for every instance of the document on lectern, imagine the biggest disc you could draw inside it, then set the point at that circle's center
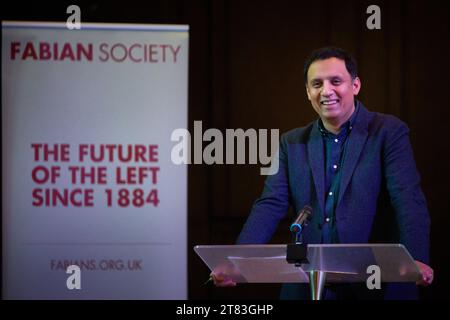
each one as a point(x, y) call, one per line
point(260, 269)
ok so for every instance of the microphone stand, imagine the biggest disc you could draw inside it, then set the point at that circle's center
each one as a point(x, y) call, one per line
point(297, 251)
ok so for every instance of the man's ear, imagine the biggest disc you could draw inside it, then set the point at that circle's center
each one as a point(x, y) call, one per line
point(307, 92)
point(356, 84)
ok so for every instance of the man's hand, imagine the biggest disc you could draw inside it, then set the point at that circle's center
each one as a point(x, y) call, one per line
point(222, 280)
point(426, 272)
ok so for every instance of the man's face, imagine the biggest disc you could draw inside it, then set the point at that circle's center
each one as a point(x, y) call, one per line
point(331, 90)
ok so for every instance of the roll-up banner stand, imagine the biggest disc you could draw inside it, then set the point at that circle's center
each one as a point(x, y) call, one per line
point(93, 206)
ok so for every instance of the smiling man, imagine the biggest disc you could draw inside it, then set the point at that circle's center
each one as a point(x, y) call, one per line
point(331, 89)
point(355, 169)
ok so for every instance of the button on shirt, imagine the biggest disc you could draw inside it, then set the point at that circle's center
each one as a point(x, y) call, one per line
point(334, 150)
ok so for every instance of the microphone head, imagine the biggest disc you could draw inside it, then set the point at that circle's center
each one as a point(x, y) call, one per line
point(303, 216)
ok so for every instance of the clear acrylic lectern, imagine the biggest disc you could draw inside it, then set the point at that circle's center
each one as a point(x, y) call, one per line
point(331, 263)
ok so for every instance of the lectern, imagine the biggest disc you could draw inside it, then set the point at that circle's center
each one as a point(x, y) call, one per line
point(326, 263)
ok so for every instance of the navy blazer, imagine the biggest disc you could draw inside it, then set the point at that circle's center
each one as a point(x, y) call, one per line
point(380, 199)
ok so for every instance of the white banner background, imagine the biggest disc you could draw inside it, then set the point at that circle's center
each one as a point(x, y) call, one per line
point(51, 101)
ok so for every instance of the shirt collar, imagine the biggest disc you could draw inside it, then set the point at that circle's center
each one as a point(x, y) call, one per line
point(347, 126)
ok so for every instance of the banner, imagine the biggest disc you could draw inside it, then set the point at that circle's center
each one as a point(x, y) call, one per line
point(93, 207)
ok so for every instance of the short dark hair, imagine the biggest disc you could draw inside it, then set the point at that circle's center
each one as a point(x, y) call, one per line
point(331, 52)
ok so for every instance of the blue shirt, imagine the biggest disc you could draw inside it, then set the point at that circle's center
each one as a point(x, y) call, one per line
point(334, 150)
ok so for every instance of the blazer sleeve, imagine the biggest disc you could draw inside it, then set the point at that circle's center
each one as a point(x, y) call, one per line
point(272, 206)
point(407, 198)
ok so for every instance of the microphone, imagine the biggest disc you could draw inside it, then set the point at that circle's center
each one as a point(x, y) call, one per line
point(303, 215)
point(297, 252)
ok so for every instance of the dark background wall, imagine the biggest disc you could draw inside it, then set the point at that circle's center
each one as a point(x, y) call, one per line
point(245, 71)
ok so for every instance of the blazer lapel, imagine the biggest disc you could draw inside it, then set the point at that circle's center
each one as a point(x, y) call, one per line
point(355, 144)
point(316, 161)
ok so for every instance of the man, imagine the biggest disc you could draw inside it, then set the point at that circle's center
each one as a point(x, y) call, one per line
point(355, 168)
